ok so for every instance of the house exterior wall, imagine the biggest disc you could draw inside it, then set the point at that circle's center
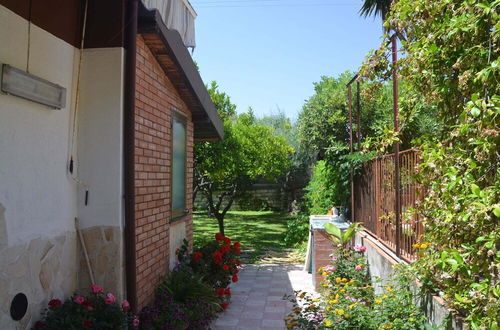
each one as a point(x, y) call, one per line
point(100, 167)
point(156, 237)
point(38, 250)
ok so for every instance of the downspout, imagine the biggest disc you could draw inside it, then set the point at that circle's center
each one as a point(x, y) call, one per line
point(129, 151)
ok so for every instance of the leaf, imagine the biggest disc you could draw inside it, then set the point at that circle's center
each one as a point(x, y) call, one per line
point(475, 111)
point(350, 232)
point(333, 230)
point(496, 211)
point(475, 189)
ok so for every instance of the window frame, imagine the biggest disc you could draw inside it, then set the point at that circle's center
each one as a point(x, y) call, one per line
point(177, 215)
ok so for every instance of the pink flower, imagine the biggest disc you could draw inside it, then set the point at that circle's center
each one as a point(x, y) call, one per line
point(135, 322)
point(96, 288)
point(110, 299)
point(360, 248)
point(125, 305)
point(79, 300)
point(358, 267)
point(334, 258)
point(330, 268)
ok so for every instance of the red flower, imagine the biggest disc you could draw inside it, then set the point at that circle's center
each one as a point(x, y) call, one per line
point(225, 248)
point(39, 325)
point(224, 305)
point(219, 236)
point(135, 322)
point(227, 240)
point(96, 288)
point(225, 267)
point(197, 256)
point(54, 303)
point(237, 245)
point(235, 278)
point(228, 292)
point(236, 270)
point(88, 304)
point(87, 324)
point(177, 251)
point(217, 257)
point(220, 291)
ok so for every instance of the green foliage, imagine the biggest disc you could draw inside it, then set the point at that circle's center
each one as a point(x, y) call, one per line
point(297, 230)
point(248, 152)
point(451, 64)
point(348, 300)
point(340, 237)
point(321, 191)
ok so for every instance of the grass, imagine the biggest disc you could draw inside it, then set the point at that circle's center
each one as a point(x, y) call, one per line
point(261, 233)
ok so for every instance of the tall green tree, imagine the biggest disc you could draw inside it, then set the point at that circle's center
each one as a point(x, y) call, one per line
point(226, 169)
point(376, 7)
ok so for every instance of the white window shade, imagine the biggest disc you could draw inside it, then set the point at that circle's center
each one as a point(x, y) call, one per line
point(178, 15)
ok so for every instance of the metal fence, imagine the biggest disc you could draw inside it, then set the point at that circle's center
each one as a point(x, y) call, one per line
point(375, 197)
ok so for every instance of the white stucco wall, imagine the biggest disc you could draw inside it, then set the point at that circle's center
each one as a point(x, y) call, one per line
point(38, 196)
point(100, 137)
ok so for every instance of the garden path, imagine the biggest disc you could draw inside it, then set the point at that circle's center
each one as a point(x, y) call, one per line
point(257, 302)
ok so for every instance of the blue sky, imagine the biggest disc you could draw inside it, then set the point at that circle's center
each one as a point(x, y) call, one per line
point(267, 53)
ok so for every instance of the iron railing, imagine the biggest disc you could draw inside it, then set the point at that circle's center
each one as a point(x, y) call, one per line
point(374, 205)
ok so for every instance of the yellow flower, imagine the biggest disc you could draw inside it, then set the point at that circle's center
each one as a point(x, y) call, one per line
point(343, 290)
point(378, 301)
point(315, 299)
point(344, 279)
point(351, 281)
point(424, 246)
point(328, 308)
point(328, 323)
point(337, 296)
point(388, 326)
point(338, 280)
point(389, 289)
point(416, 246)
point(333, 302)
point(412, 314)
point(412, 319)
point(384, 296)
point(324, 274)
point(340, 311)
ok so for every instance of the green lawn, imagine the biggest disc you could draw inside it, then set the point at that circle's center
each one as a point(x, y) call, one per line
point(258, 231)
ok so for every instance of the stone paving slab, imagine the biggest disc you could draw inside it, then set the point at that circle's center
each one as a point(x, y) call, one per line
point(257, 301)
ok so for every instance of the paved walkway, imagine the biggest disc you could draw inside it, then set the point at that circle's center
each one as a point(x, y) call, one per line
point(257, 301)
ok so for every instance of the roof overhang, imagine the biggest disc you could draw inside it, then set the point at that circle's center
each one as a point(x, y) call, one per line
point(170, 52)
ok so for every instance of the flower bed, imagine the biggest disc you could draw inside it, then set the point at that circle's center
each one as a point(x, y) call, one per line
point(94, 311)
point(197, 289)
point(348, 299)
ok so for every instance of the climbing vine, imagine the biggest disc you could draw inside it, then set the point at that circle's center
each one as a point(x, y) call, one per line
point(450, 61)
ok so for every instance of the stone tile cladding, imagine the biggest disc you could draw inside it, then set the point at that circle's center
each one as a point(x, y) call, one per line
point(322, 249)
point(156, 97)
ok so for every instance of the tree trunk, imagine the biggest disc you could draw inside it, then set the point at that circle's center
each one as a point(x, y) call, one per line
point(220, 220)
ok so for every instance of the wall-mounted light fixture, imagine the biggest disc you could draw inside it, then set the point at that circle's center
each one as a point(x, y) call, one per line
point(22, 84)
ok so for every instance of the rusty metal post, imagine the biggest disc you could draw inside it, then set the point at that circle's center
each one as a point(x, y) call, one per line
point(349, 95)
point(395, 96)
point(358, 115)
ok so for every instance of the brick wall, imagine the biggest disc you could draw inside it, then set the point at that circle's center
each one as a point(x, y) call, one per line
point(321, 254)
point(156, 97)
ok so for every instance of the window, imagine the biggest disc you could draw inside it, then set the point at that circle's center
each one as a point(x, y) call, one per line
point(179, 163)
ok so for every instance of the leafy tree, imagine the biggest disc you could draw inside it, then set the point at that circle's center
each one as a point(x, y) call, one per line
point(226, 169)
point(376, 7)
point(451, 63)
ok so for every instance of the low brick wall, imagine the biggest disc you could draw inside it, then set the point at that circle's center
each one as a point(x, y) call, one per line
point(322, 248)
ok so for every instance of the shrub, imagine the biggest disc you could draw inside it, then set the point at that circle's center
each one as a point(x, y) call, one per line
point(197, 288)
point(348, 300)
point(183, 301)
point(94, 311)
point(297, 230)
point(218, 261)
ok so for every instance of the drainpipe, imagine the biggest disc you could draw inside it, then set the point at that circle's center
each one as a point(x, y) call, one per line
point(129, 151)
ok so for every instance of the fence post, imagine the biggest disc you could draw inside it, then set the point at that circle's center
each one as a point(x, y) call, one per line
point(358, 115)
point(349, 95)
point(395, 95)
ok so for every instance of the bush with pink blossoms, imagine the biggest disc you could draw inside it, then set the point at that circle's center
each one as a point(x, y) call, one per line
point(98, 310)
